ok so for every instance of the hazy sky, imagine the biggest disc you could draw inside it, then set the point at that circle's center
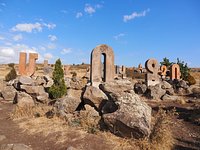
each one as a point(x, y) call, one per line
point(70, 29)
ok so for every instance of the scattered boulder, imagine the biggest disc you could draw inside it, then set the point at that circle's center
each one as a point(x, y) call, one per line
point(40, 80)
point(116, 86)
point(42, 97)
point(9, 93)
point(168, 97)
point(24, 100)
point(166, 85)
point(65, 106)
point(140, 88)
point(78, 84)
point(132, 119)
point(49, 81)
point(74, 93)
point(32, 89)
point(94, 96)
point(25, 80)
point(155, 92)
point(15, 147)
point(170, 91)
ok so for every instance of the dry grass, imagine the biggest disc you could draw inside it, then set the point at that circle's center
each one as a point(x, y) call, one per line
point(60, 131)
point(29, 111)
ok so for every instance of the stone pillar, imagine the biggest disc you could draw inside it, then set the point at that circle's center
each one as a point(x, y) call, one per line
point(140, 68)
point(96, 70)
point(123, 71)
point(30, 69)
point(22, 63)
point(152, 68)
point(175, 72)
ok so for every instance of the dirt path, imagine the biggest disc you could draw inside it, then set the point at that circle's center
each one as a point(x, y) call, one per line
point(13, 135)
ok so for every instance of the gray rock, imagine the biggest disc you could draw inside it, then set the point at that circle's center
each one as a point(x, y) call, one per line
point(170, 91)
point(15, 147)
point(165, 85)
point(181, 91)
point(43, 97)
point(116, 87)
point(94, 96)
point(167, 97)
point(25, 80)
point(33, 89)
point(78, 84)
point(66, 105)
point(24, 100)
point(40, 80)
point(132, 119)
point(9, 93)
point(49, 81)
point(2, 137)
point(140, 88)
point(155, 92)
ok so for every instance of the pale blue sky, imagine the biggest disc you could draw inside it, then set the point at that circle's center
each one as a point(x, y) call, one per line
point(70, 29)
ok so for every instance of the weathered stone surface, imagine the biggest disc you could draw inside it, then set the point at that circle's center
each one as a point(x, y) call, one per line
point(155, 92)
point(2, 137)
point(91, 111)
point(181, 91)
point(9, 93)
point(43, 97)
point(132, 119)
point(78, 84)
point(96, 66)
point(74, 93)
point(170, 91)
point(175, 72)
point(30, 69)
point(24, 100)
point(165, 85)
point(49, 81)
point(182, 84)
point(66, 105)
point(33, 89)
point(15, 147)
point(25, 80)
point(168, 97)
point(40, 80)
point(117, 86)
point(152, 67)
point(140, 88)
point(94, 96)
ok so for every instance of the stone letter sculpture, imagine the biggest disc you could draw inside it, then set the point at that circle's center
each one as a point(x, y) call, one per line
point(175, 72)
point(96, 65)
point(30, 69)
point(152, 68)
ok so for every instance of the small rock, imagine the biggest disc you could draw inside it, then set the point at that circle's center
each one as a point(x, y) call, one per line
point(165, 85)
point(25, 80)
point(2, 137)
point(24, 100)
point(140, 88)
point(167, 97)
point(9, 93)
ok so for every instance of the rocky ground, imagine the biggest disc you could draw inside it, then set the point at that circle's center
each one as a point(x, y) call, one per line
point(12, 137)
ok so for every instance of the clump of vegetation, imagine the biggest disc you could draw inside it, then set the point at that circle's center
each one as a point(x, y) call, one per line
point(58, 89)
point(12, 74)
point(166, 62)
point(183, 68)
point(191, 80)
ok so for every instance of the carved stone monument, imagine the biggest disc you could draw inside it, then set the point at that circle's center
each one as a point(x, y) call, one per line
point(152, 67)
point(140, 68)
point(23, 68)
point(175, 72)
point(163, 71)
point(96, 67)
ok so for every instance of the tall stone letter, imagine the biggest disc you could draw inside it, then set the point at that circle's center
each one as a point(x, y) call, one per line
point(152, 68)
point(108, 68)
point(30, 69)
point(175, 72)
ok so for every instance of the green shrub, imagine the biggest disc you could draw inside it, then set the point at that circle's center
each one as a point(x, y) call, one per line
point(58, 89)
point(166, 62)
point(183, 68)
point(12, 74)
point(191, 79)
